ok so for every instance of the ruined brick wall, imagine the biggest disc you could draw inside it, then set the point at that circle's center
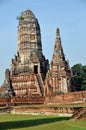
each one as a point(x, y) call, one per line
point(21, 101)
point(70, 97)
point(27, 100)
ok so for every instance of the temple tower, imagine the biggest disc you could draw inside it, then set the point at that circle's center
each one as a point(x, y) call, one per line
point(29, 56)
point(59, 75)
point(29, 66)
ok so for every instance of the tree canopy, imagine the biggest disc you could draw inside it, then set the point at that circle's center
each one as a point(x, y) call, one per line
point(79, 77)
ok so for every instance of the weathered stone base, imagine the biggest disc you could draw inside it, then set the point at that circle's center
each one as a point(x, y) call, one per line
point(44, 110)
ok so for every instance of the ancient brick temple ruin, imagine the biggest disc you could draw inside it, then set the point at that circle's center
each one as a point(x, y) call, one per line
point(30, 74)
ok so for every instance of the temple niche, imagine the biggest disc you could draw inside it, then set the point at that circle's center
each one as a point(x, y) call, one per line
point(30, 74)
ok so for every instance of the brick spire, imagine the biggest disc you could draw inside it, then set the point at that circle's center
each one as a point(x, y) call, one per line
point(59, 75)
point(58, 54)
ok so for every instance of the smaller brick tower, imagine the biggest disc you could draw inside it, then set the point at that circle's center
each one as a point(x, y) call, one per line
point(59, 76)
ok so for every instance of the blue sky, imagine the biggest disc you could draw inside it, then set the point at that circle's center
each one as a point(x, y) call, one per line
point(68, 15)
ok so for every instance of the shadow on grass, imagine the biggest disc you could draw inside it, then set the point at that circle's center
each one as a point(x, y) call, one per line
point(28, 123)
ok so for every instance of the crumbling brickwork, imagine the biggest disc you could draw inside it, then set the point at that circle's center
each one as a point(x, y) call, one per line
point(70, 97)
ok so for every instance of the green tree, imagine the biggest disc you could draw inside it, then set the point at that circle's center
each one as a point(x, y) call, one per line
point(79, 77)
point(84, 78)
point(20, 17)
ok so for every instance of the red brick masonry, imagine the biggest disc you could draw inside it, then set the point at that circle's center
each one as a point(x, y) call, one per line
point(71, 97)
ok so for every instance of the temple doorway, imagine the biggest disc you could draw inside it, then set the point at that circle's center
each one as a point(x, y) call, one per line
point(36, 69)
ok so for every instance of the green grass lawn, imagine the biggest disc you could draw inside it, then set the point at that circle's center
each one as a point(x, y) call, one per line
point(39, 122)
